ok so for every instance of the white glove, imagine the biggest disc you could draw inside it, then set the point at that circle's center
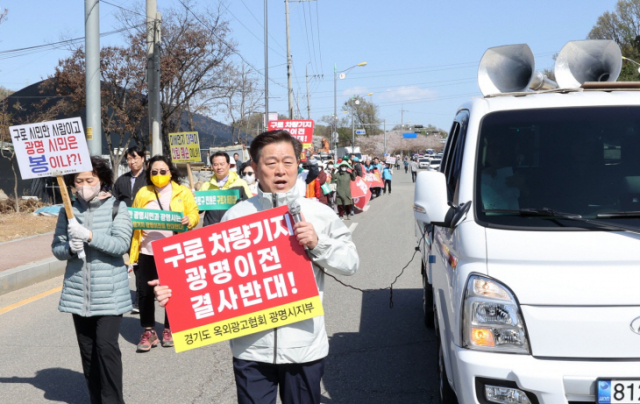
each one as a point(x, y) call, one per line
point(76, 230)
point(76, 245)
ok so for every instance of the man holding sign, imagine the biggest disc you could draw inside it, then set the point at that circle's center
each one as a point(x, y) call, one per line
point(292, 355)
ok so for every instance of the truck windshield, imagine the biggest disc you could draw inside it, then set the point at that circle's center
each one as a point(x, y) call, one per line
point(581, 161)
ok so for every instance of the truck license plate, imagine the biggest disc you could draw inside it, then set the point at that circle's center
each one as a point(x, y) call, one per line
point(618, 391)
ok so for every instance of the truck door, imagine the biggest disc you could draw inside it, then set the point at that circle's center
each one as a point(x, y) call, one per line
point(444, 240)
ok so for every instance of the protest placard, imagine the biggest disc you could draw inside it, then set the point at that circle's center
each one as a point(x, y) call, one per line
point(185, 147)
point(373, 179)
point(217, 200)
point(300, 129)
point(360, 193)
point(52, 148)
point(236, 278)
point(391, 160)
point(150, 219)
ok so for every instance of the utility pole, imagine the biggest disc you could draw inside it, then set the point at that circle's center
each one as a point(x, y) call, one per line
point(308, 102)
point(289, 84)
point(353, 133)
point(385, 135)
point(153, 75)
point(266, 66)
point(92, 78)
point(402, 117)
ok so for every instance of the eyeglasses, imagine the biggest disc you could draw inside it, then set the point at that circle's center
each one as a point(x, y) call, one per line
point(161, 172)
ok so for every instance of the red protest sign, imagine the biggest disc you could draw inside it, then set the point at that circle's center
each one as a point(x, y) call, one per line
point(300, 129)
point(236, 278)
point(373, 179)
point(360, 193)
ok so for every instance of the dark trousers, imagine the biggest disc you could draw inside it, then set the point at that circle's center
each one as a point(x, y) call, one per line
point(257, 382)
point(101, 359)
point(406, 168)
point(387, 183)
point(342, 209)
point(147, 272)
point(414, 174)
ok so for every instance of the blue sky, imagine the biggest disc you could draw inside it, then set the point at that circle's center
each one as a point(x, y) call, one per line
point(422, 55)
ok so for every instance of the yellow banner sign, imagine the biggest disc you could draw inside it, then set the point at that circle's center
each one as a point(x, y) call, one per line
point(248, 324)
point(185, 147)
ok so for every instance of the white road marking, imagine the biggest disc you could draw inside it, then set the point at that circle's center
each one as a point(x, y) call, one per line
point(353, 227)
point(366, 208)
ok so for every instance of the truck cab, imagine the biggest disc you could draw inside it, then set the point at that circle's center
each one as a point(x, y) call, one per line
point(530, 241)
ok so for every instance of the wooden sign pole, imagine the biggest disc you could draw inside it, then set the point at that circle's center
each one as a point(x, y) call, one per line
point(67, 205)
point(190, 176)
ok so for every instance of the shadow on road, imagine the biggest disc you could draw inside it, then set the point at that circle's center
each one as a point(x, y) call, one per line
point(59, 385)
point(392, 359)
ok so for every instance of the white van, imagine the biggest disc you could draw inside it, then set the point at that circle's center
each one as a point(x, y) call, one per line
point(531, 251)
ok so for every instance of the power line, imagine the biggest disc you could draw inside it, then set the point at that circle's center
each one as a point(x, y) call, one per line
point(318, 28)
point(245, 27)
point(313, 41)
point(261, 24)
point(12, 53)
point(122, 8)
point(227, 45)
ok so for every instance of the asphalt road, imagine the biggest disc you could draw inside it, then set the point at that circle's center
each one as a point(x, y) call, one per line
point(377, 354)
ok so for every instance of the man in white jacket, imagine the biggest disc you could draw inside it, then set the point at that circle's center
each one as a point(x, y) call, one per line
point(291, 357)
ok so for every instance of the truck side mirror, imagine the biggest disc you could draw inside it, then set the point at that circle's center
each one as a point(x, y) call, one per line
point(430, 201)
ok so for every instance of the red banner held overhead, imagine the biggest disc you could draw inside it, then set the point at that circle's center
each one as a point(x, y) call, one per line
point(236, 278)
point(300, 129)
point(373, 179)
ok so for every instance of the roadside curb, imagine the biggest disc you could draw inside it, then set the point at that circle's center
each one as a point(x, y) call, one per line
point(26, 238)
point(29, 274)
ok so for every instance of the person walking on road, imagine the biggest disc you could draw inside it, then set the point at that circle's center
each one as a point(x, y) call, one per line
point(342, 178)
point(406, 166)
point(95, 289)
point(291, 357)
point(414, 170)
point(223, 179)
point(163, 192)
point(387, 174)
point(126, 188)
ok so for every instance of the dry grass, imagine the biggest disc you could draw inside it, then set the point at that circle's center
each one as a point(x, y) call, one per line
point(24, 224)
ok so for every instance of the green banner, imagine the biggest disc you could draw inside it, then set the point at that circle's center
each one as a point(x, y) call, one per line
point(217, 200)
point(149, 219)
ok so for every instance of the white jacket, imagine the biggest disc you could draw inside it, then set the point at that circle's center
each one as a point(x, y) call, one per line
point(304, 341)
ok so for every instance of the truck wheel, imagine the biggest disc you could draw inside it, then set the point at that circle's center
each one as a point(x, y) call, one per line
point(447, 395)
point(427, 300)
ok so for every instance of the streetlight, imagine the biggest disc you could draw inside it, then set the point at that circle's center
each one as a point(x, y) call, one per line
point(343, 74)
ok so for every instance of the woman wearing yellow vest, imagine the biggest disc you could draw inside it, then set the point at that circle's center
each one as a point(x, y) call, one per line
point(163, 192)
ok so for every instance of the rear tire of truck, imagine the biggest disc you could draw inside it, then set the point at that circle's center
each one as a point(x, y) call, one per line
point(447, 395)
point(427, 300)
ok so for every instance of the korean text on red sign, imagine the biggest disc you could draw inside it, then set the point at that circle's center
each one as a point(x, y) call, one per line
point(51, 148)
point(236, 278)
point(300, 129)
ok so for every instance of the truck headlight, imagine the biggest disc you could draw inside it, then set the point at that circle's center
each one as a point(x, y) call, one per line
point(492, 320)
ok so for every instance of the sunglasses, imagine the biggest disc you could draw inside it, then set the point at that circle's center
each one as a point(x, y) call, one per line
point(247, 173)
point(161, 172)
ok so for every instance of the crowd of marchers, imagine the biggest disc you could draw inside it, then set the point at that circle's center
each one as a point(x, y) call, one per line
point(288, 359)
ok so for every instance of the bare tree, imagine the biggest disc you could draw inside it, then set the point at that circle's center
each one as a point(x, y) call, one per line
point(122, 101)
point(242, 100)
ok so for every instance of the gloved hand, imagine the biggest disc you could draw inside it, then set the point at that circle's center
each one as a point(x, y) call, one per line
point(76, 245)
point(76, 230)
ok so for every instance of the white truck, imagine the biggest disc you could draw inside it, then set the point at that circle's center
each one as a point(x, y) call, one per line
point(530, 234)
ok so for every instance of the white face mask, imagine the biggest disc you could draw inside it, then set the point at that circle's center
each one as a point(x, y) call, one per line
point(250, 178)
point(234, 169)
point(88, 192)
point(343, 168)
point(330, 167)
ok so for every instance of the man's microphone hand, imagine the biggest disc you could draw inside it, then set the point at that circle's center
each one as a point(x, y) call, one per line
point(306, 234)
